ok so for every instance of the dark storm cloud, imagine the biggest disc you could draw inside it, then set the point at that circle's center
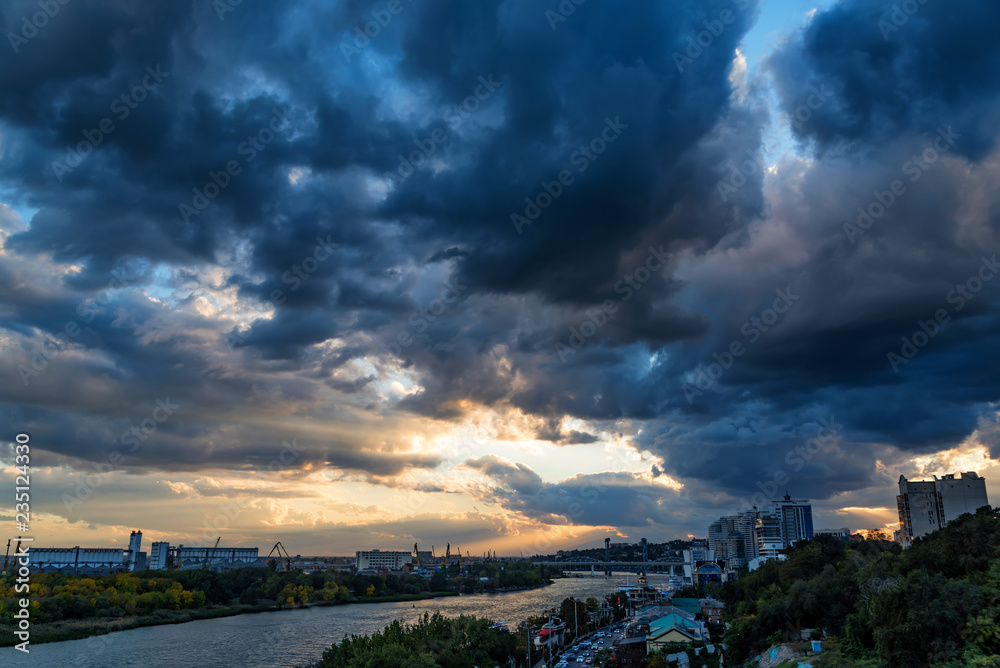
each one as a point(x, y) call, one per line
point(189, 439)
point(893, 71)
point(607, 499)
point(312, 232)
point(557, 93)
point(859, 296)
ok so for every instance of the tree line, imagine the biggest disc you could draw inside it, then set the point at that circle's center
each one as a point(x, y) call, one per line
point(935, 604)
point(57, 596)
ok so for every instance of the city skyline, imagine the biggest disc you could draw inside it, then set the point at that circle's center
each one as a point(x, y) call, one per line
point(506, 276)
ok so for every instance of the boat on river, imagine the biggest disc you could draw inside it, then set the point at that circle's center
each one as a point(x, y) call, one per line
point(642, 593)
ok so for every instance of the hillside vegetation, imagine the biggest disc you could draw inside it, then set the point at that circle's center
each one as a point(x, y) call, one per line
point(433, 642)
point(936, 604)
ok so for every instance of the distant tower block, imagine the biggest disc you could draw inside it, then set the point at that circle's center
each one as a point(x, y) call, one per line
point(927, 505)
point(134, 545)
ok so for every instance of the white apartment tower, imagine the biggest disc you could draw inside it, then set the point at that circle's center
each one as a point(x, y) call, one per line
point(927, 505)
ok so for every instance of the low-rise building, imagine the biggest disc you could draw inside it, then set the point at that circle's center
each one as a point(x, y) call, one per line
point(630, 651)
point(691, 606)
point(671, 631)
point(216, 558)
point(711, 609)
point(702, 565)
point(382, 559)
point(843, 533)
point(79, 560)
point(163, 557)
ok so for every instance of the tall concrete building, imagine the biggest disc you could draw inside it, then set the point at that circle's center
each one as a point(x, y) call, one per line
point(962, 493)
point(764, 533)
point(725, 540)
point(745, 524)
point(927, 505)
point(795, 518)
point(768, 536)
point(134, 547)
point(159, 555)
point(733, 539)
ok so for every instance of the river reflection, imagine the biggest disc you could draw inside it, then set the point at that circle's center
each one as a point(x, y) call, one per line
point(292, 637)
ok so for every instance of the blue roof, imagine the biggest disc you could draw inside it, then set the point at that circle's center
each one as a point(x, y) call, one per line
point(689, 604)
point(673, 621)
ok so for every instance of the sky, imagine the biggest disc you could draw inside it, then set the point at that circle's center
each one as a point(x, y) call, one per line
point(513, 276)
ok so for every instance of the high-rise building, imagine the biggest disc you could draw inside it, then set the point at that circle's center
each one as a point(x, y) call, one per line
point(927, 505)
point(745, 523)
point(768, 534)
point(732, 538)
point(764, 533)
point(719, 533)
point(962, 493)
point(796, 519)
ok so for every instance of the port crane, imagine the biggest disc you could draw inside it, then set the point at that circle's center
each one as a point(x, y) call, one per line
point(286, 560)
point(180, 560)
point(416, 553)
point(204, 564)
point(6, 559)
point(443, 568)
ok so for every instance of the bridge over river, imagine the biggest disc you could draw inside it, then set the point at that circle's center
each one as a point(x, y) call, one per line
point(659, 567)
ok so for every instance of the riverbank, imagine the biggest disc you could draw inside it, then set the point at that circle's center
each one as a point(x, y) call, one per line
point(77, 629)
point(302, 634)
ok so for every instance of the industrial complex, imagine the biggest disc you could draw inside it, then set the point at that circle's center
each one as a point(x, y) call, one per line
point(744, 539)
point(105, 560)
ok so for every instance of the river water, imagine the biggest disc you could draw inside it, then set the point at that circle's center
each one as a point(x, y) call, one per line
point(292, 637)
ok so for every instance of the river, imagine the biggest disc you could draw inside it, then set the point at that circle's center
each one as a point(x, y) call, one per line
point(292, 637)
